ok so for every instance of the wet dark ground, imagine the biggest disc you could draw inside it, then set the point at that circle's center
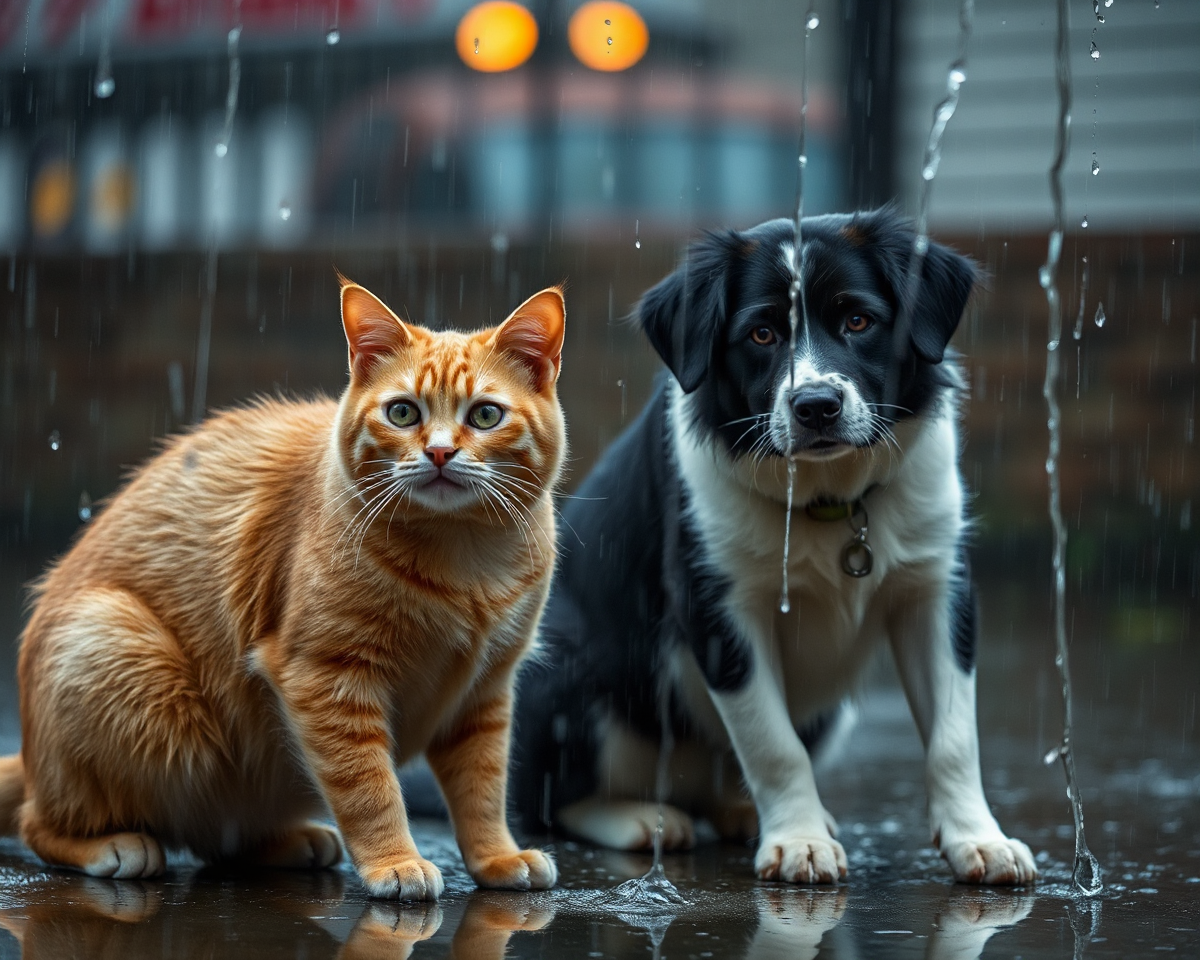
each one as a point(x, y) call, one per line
point(1139, 766)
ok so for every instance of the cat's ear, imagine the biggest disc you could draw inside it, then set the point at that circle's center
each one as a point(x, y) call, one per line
point(534, 335)
point(372, 330)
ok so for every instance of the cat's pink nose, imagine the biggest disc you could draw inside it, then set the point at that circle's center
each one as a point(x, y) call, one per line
point(439, 455)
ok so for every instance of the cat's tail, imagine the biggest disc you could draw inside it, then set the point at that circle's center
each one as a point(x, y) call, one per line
point(12, 792)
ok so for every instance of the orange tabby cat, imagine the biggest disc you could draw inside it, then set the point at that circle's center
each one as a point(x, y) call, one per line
point(291, 600)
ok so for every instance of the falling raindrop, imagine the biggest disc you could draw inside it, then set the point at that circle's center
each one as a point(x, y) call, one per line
point(1095, 51)
point(285, 211)
point(235, 79)
point(610, 41)
point(1077, 333)
point(1108, 3)
point(1100, 317)
point(813, 21)
point(477, 45)
point(55, 440)
point(332, 36)
point(608, 23)
point(1095, 166)
point(106, 86)
point(637, 240)
point(1096, 8)
point(85, 507)
point(1084, 224)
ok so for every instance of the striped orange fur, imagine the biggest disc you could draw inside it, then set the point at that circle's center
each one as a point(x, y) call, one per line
point(293, 599)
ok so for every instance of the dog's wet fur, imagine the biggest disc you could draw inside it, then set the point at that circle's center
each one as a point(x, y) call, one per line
point(667, 596)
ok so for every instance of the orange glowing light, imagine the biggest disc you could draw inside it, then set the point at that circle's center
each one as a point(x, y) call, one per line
point(606, 35)
point(52, 198)
point(495, 36)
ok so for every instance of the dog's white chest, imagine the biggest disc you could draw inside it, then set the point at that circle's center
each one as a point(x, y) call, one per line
point(835, 621)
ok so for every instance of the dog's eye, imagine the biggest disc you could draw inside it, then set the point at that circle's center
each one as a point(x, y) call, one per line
point(858, 323)
point(763, 336)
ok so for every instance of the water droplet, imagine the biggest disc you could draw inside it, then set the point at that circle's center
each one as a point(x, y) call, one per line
point(958, 75)
point(55, 440)
point(1096, 8)
point(1108, 3)
point(1095, 166)
point(333, 36)
point(608, 23)
point(610, 41)
point(1044, 277)
point(234, 35)
point(1100, 317)
point(1052, 346)
point(221, 148)
point(1095, 51)
point(106, 86)
point(477, 45)
point(637, 244)
point(285, 210)
point(812, 22)
point(1084, 224)
point(785, 605)
point(85, 507)
point(1052, 755)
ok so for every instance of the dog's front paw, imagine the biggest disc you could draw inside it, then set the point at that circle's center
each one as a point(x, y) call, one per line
point(999, 862)
point(795, 858)
point(524, 870)
point(411, 878)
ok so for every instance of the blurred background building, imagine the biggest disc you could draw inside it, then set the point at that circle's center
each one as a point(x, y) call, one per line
point(180, 178)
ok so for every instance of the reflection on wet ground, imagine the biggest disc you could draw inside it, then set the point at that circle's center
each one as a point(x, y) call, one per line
point(1138, 765)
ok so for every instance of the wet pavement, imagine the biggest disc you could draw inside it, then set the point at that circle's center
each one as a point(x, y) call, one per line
point(1136, 701)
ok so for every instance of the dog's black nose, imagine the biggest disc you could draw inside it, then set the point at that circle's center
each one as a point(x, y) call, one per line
point(817, 406)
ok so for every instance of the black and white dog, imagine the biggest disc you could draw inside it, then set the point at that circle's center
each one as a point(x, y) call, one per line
point(667, 602)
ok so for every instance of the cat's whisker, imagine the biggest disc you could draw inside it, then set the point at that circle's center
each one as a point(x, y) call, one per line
point(381, 504)
point(497, 496)
point(359, 492)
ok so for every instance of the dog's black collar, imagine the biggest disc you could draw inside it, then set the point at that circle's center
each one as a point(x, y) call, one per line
point(858, 560)
point(827, 510)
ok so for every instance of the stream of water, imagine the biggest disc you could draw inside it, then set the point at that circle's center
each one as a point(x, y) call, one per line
point(797, 315)
point(956, 76)
point(1086, 873)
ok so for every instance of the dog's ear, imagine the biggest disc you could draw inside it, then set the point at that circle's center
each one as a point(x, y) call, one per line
point(683, 314)
point(946, 282)
point(946, 278)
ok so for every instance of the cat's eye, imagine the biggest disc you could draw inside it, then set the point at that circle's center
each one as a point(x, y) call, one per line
point(484, 416)
point(858, 322)
point(403, 413)
point(763, 336)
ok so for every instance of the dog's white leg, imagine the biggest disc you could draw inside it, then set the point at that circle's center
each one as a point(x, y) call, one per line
point(941, 694)
point(795, 839)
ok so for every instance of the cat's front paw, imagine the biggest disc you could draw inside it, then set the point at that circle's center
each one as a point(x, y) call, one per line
point(524, 870)
point(409, 879)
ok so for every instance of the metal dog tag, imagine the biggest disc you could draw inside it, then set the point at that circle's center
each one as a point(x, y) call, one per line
point(857, 558)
